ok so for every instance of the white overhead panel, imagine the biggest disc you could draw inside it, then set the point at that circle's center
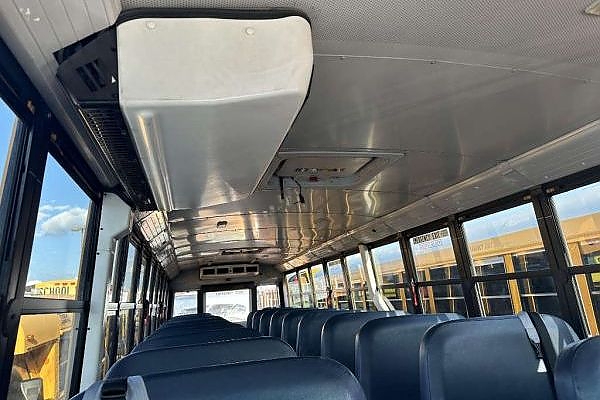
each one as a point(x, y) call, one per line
point(209, 101)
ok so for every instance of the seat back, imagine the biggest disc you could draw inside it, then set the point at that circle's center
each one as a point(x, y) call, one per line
point(281, 379)
point(387, 355)
point(199, 355)
point(192, 317)
point(193, 330)
point(195, 338)
point(477, 358)
point(289, 326)
point(277, 321)
point(577, 372)
point(256, 318)
point(249, 318)
point(310, 327)
point(264, 323)
point(339, 334)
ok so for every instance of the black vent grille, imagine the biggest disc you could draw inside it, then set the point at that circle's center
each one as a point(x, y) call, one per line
point(108, 127)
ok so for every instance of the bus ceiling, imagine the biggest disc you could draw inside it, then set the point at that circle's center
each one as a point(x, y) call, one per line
point(202, 118)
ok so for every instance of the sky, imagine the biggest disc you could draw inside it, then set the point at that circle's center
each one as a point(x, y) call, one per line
point(63, 210)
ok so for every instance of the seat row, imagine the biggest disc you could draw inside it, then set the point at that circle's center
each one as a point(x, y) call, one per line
point(205, 356)
point(444, 356)
point(392, 354)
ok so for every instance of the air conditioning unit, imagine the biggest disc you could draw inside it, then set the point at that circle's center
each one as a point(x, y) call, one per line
point(229, 271)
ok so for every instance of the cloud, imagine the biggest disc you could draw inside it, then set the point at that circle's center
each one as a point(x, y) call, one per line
point(66, 221)
point(48, 208)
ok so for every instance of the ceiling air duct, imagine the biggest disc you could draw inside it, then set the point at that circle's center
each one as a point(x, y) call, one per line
point(209, 100)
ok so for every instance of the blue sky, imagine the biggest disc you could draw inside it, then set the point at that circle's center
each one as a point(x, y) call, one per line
point(63, 209)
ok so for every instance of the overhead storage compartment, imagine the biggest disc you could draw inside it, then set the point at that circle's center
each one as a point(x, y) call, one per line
point(208, 101)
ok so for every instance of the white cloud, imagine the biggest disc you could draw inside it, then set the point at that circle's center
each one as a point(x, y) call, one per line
point(42, 216)
point(66, 221)
point(48, 208)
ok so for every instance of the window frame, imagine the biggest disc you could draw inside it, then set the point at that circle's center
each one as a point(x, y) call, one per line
point(37, 135)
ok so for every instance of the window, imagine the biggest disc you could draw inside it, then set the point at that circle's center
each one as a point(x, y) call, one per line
point(539, 295)
point(8, 123)
point(320, 283)
point(433, 255)
point(306, 288)
point(507, 242)
point(337, 283)
point(391, 275)
point(126, 305)
point(446, 298)
point(502, 297)
point(233, 305)
point(293, 288)
point(185, 303)
point(578, 212)
point(438, 279)
point(267, 296)
point(358, 284)
point(510, 238)
point(128, 282)
point(43, 357)
point(139, 299)
point(59, 233)
point(388, 263)
point(589, 291)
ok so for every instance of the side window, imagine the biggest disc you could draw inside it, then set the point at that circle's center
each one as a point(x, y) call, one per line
point(509, 241)
point(306, 288)
point(59, 232)
point(267, 296)
point(45, 344)
point(337, 283)
point(293, 288)
point(139, 300)
point(358, 283)
point(391, 275)
point(126, 303)
point(578, 212)
point(434, 261)
point(8, 124)
point(185, 303)
point(320, 283)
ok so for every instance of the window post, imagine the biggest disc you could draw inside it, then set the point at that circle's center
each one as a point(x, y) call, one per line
point(558, 258)
point(465, 269)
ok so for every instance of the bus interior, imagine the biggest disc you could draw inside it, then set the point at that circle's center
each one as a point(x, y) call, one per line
point(274, 199)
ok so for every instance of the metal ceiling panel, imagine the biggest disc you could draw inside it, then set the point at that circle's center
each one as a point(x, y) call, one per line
point(535, 28)
point(466, 90)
